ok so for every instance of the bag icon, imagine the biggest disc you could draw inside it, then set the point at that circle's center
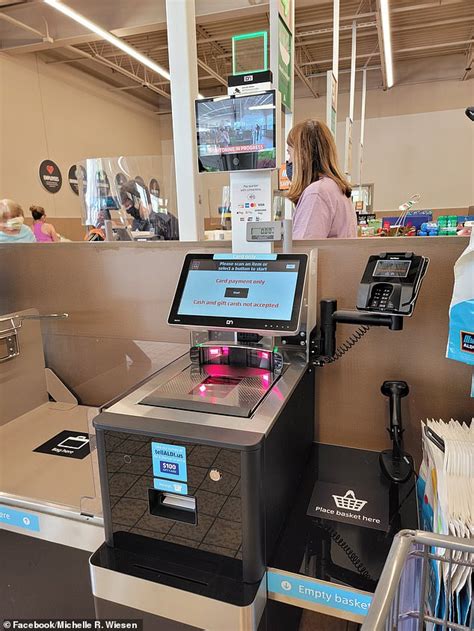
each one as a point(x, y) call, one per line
point(349, 501)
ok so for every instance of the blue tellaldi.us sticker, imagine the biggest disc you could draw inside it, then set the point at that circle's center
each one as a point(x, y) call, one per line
point(169, 461)
point(19, 519)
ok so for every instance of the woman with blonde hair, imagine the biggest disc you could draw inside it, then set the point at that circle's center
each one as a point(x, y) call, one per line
point(12, 227)
point(44, 232)
point(318, 188)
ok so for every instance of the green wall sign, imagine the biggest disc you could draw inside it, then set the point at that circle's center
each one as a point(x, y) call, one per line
point(285, 63)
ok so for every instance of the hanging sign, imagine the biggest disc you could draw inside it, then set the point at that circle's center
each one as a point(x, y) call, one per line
point(331, 102)
point(285, 70)
point(348, 148)
point(50, 176)
point(285, 11)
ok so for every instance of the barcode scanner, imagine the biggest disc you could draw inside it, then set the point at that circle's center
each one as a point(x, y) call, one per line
point(396, 464)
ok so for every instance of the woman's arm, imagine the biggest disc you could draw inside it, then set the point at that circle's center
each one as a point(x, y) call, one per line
point(51, 231)
point(313, 217)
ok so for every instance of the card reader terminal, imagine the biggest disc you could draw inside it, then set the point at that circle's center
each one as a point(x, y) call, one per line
point(391, 283)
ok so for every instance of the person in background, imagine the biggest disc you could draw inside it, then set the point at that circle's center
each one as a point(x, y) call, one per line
point(134, 198)
point(318, 188)
point(12, 227)
point(44, 232)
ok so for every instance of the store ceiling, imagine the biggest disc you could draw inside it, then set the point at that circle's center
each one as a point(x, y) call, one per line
point(431, 40)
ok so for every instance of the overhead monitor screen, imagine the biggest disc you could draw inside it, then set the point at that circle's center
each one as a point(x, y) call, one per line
point(256, 292)
point(236, 133)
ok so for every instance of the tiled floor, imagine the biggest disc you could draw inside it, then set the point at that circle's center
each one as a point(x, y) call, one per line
point(316, 622)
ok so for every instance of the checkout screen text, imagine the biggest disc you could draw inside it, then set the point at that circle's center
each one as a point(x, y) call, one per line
point(263, 290)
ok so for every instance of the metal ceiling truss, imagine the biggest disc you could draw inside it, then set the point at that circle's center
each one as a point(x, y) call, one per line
point(220, 69)
point(136, 76)
point(213, 58)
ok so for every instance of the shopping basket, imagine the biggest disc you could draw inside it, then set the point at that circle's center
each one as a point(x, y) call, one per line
point(388, 611)
point(349, 501)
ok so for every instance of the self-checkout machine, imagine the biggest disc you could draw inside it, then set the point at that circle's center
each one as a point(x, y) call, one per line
point(200, 464)
point(50, 509)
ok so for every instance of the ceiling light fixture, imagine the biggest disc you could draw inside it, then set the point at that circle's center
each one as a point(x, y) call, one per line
point(115, 41)
point(387, 41)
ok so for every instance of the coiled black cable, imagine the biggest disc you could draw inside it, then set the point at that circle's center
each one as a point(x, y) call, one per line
point(347, 345)
point(350, 553)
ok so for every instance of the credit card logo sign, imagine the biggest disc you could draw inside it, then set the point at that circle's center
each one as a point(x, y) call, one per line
point(169, 467)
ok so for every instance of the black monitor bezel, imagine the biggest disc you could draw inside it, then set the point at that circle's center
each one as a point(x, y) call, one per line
point(240, 324)
point(233, 97)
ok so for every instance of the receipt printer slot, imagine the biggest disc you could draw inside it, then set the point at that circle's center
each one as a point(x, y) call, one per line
point(171, 506)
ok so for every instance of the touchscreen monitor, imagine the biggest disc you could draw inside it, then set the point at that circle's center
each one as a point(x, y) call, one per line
point(236, 133)
point(243, 291)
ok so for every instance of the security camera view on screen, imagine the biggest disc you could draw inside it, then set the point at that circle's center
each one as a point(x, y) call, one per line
point(236, 133)
point(263, 290)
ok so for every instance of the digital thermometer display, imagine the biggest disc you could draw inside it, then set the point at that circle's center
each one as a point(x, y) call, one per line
point(257, 233)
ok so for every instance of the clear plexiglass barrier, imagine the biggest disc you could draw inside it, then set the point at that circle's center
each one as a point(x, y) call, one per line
point(126, 198)
point(48, 461)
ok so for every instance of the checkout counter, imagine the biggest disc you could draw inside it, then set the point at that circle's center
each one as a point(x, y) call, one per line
point(205, 476)
point(220, 512)
point(199, 466)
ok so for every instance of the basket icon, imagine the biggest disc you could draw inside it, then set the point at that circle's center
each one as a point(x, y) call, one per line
point(349, 501)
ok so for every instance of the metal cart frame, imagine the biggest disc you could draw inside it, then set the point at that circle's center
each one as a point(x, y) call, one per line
point(385, 611)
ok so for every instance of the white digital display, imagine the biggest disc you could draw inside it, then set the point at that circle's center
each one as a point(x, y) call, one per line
point(393, 268)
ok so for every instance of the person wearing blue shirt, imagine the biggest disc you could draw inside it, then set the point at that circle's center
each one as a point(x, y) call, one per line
point(12, 227)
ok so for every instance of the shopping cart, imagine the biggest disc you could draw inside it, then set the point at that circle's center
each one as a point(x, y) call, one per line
point(388, 611)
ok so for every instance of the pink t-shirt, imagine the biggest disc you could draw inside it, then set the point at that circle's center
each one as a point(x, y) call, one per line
point(324, 211)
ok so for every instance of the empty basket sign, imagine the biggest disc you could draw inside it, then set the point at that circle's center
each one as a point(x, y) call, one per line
point(50, 176)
